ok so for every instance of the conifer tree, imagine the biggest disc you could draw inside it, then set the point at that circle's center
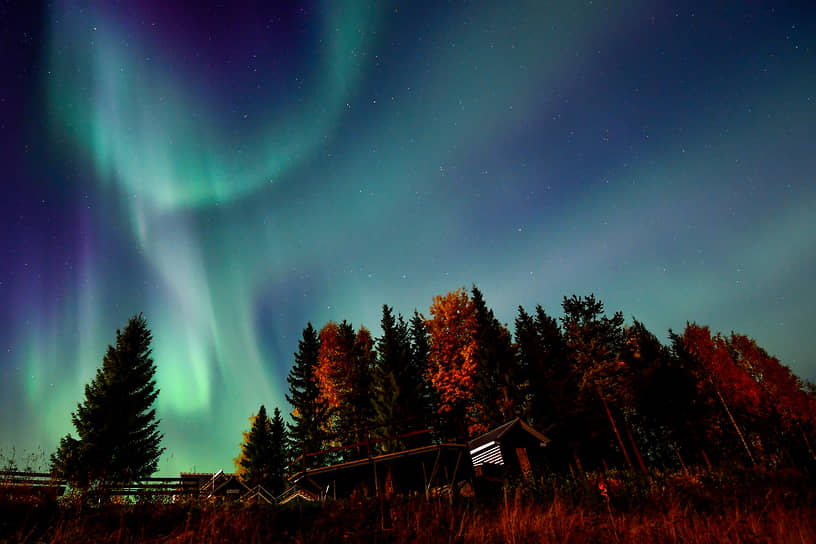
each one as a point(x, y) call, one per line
point(255, 462)
point(118, 437)
point(542, 361)
point(420, 351)
point(263, 459)
point(279, 456)
point(309, 409)
point(497, 379)
point(397, 383)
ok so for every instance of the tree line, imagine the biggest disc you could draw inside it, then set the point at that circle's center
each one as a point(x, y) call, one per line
point(606, 393)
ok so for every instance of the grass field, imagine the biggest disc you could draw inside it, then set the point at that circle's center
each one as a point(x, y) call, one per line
point(738, 507)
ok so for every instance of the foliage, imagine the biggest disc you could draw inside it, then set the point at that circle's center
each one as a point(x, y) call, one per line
point(118, 438)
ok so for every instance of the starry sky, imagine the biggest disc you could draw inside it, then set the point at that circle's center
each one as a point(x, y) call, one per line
point(236, 169)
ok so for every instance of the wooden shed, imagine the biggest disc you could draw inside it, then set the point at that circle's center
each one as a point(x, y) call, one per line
point(513, 448)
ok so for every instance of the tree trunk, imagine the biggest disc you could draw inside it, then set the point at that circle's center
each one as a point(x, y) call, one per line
point(615, 428)
point(807, 442)
point(739, 432)
point(634, 447)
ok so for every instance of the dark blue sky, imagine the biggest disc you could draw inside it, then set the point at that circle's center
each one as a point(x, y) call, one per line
point(234, 171)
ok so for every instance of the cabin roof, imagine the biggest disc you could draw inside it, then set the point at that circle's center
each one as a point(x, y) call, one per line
point(496, 435)
point(383, 458)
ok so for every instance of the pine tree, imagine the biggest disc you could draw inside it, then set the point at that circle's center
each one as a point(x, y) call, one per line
point(279, 456)
point(255, 464)
point(263, 453)
point(542, 361)
point(497, 379)
point(118, 437)
point(420, 352)
point(356, 411)
point(309, 410)
point(397, 393)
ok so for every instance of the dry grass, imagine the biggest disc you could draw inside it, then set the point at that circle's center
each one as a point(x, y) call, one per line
point(677, 513)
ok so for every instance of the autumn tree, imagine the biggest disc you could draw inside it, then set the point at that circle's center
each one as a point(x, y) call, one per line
point(118, 439)
point(309, 409)
point(334, 365)
point(452, 362)
point(343, 374)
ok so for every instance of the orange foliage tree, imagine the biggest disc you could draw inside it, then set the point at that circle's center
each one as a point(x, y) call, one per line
point(333, 363)
point(343, 375)
point(452, 362)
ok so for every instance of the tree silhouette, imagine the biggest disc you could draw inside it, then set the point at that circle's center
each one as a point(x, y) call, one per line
point(118, 437)
point(398, 383)
point(309, 409)
point(497, 383)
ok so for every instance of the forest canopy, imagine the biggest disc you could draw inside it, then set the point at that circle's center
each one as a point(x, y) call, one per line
point(605, 391)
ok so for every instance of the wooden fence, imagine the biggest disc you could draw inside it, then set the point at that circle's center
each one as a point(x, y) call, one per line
point(42, 484)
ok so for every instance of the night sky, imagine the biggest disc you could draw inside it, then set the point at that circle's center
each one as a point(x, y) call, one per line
point(236, 170)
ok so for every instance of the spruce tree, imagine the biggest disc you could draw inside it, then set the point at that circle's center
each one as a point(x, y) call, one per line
point(356, 410)
point(263, 459)
point(497, 377)
point(420, 351)
point(309, 410)
point(255, 462)
point(279, 453)
point(396, 393)
point(118, 437)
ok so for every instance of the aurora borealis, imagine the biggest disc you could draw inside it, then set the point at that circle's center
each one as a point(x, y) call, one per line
point(236, 170)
